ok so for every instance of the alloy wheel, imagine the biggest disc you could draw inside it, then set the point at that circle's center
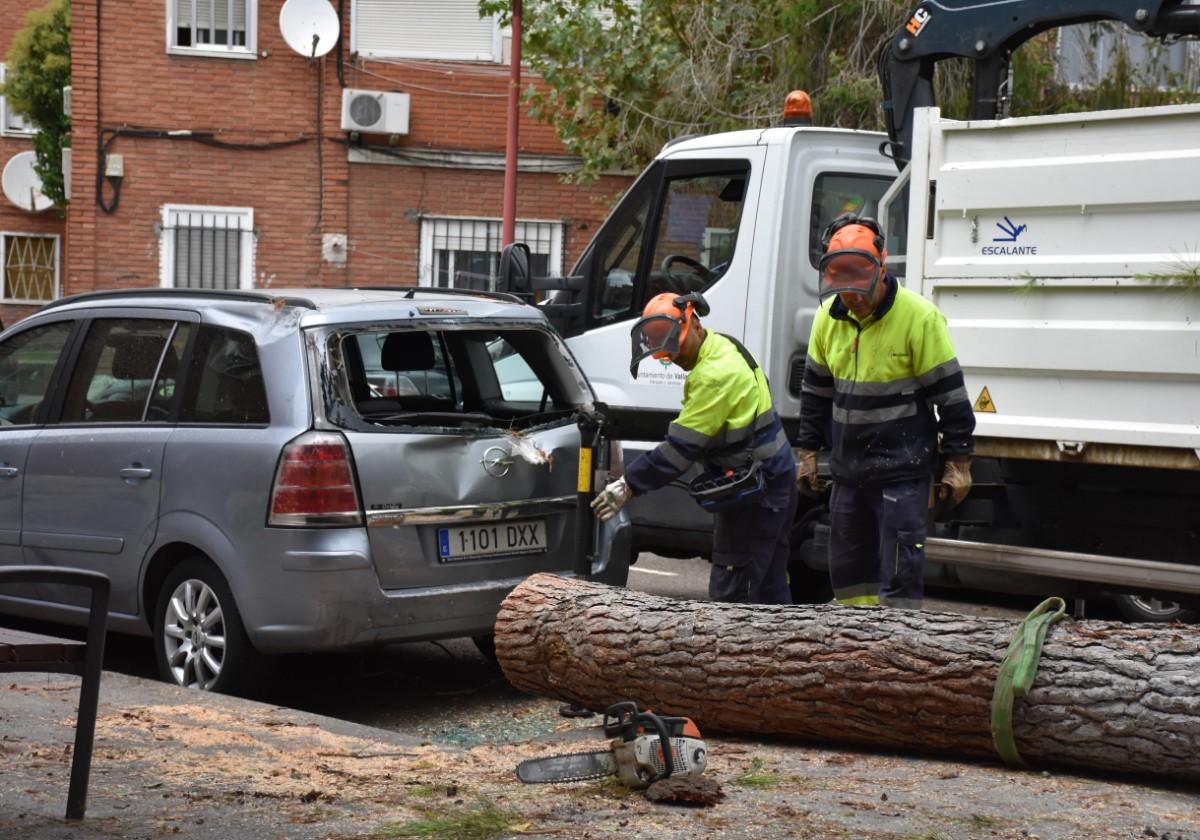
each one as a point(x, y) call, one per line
point(1155, 607)
point(194, 635)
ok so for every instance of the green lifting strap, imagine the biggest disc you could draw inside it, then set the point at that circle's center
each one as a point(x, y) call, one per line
point(1017, 672)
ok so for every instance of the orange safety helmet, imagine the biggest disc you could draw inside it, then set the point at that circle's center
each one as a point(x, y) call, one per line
point(664, 325)
point(855, 256)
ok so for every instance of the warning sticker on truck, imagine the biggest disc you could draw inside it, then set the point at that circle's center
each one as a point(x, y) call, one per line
point(984, 402)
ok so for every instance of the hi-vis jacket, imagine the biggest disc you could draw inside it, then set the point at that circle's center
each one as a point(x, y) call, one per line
point(727, 416)
point(871, 389)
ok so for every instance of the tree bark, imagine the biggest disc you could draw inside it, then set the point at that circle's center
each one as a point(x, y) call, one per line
point(1110, 696)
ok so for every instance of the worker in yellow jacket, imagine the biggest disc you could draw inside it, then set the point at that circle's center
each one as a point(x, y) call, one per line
point(728, 424)
point(883, 391)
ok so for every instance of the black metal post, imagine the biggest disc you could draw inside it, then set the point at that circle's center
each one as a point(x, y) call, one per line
point(89, 700)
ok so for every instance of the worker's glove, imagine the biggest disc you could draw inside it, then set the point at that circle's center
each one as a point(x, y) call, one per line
point(611, 499)
point(956, 479)
point(806, 472)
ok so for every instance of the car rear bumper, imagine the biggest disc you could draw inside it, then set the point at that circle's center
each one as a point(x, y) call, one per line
point(356, 613)
point(303, 590)
point(323, 593)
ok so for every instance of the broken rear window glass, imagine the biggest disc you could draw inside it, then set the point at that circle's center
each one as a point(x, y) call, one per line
point(451, 378)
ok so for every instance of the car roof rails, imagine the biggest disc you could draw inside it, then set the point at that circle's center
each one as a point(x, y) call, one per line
point(246, 295)
point(507, 297)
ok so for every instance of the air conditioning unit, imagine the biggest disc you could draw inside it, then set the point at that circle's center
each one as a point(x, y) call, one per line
point(374, 111)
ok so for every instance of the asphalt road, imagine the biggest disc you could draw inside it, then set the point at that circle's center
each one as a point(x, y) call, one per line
point(689, 579)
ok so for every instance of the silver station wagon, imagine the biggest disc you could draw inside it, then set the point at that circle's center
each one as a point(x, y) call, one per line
point(294, 471)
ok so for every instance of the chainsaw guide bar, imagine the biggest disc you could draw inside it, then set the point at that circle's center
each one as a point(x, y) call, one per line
point(573, 767)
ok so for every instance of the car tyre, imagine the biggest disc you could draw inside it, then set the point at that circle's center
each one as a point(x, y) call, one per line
point(199, 639)
point(1147, 609)
point(486, 645)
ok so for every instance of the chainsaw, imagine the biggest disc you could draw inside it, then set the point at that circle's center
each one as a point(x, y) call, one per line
point(645, 748)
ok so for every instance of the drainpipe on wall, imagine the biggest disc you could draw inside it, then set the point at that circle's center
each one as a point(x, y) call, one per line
point(509, 228)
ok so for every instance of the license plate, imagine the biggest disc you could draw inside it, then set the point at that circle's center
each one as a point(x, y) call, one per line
point(524, 537)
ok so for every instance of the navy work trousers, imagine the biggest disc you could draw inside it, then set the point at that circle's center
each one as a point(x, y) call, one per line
point(751, 546)
point(877, 543)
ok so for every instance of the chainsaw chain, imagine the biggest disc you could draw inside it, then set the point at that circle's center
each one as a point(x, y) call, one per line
point(583, 777)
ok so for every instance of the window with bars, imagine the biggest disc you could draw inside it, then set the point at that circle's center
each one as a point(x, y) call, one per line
point(207, 247)
point(30, 267)
point(465, 253)
point(10, 123)
point(212, 27)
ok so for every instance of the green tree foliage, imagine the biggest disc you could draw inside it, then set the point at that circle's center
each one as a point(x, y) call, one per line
point(621, 77)
point(39, 66)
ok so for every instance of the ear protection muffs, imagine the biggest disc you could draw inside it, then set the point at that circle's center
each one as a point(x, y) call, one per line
point(853, 219)
point(699, 304)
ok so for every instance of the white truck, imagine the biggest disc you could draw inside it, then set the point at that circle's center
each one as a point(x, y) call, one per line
point(1065, 254)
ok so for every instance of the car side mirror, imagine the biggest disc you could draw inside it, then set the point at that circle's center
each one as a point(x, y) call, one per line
point(514, 269)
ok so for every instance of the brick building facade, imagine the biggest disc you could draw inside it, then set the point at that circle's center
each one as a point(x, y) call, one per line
point(31, 243)
point(235, 170)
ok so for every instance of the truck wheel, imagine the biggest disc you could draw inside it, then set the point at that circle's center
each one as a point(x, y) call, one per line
point(199, 639)
point(1150, 610)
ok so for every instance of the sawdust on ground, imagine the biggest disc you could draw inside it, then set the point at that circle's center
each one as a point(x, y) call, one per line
point(190, 770)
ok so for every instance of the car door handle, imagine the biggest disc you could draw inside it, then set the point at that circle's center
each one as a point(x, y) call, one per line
point(9, 472)
point(137, 472)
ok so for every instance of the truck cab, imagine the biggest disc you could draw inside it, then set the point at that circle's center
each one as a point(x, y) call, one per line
point(737, 216)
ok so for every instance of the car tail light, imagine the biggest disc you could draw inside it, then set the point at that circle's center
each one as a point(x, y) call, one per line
point(314, 484)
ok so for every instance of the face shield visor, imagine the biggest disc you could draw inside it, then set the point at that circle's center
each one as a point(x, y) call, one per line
point(849, 270)
point(660, 336)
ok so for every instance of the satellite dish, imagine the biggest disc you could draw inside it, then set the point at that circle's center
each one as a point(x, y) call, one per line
point(21, 183)
point(310, 27)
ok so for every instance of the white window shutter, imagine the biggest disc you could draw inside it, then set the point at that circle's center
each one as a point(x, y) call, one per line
point(212, 27)
point(437, 29)
point(184, 12)
point(221, 14)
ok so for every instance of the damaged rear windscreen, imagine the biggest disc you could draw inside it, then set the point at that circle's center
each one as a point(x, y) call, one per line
point(453, 378)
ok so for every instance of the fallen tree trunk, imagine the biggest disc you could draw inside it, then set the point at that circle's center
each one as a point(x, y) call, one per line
point(1107, 695)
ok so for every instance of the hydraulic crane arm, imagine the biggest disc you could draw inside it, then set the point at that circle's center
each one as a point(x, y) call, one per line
point(988, 33)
